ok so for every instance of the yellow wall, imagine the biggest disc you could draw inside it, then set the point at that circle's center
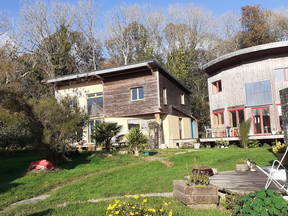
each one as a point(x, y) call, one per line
point(80, 91)
point(171, 129)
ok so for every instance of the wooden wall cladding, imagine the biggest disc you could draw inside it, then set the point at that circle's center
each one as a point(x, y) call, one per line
point(173, 95)
point(117, 98)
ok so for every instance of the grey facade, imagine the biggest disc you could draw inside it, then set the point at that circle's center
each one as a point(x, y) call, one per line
point(245, 84)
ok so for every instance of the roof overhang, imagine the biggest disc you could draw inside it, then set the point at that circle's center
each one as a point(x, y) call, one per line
point(151, 64)
point(246, 54)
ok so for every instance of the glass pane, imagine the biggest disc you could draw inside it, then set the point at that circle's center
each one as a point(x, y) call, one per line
point(141, 93)
point(134, 93)
point(257, 121)
point(266, 120)
point(222, 117)
point(95, 105)
point(234, 119)
point(241, 116)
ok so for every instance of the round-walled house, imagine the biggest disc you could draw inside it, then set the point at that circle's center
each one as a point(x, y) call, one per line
point(245, 85)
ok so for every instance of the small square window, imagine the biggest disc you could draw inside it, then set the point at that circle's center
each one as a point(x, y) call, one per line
point(137, 93)
point(182, 99)
point(165, 96)
point(217, 87)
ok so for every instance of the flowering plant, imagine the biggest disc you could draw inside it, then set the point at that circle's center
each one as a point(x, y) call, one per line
point(139, 206)
point(278, 147)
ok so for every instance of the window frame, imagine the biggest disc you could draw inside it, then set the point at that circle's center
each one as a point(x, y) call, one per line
point(216, 87)
point(261, 119)
point(216, 115)
point(137, 93)
point(94, 95)
point(237, 115)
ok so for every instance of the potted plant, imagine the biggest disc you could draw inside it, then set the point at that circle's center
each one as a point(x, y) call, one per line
point(196, 191)
point(196, 145)
point(241, 165)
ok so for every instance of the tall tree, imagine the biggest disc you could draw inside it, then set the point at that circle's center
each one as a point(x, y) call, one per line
point(255, 30)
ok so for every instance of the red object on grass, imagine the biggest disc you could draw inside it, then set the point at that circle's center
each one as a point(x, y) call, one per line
point(41, 165)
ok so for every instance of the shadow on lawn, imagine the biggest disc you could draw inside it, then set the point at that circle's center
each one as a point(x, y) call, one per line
point(42, 213)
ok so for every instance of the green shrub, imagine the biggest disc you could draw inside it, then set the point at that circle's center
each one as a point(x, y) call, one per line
point(263, 202)
point(104, 132)
point(137, 207)
point(136, 141)
point(253, 143)
point(222, 143)
point(198, 179)
point(230, 201)
point(244, 129)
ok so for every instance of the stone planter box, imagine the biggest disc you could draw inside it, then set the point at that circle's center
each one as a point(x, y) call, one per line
point(241, 168)
point(193, 196)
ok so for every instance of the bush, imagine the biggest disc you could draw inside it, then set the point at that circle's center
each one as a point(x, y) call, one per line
point(221, 142)
point(104, 132)
point(136, 141)
point(231, 201)
point(136, 207)
point(263, 202)
point(253, 143)
point(244, 129)
point(62, 124)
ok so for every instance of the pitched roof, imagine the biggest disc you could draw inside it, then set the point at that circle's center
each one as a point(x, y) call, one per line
point(99, 73)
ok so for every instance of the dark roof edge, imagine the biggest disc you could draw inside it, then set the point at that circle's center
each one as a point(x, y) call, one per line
point(98, 73)
point(260, 48)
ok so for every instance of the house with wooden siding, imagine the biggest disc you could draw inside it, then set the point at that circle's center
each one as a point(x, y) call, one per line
point(135, 95)
point(245, 85)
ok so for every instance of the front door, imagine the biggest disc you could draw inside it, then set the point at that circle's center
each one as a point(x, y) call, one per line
point(261, 120)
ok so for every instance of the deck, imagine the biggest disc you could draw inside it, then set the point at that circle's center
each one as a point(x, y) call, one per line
point(240, 182)
point(252, 137)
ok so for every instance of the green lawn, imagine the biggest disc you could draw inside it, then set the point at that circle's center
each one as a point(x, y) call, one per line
point(96, 177)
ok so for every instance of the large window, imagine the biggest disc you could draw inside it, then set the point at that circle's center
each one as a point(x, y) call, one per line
point(91, 127)
point(261, 120)
point(236, 116)
point(216, 87)
point(218, 117)
point(258, 93)
point(95, 104)
point(137, 93)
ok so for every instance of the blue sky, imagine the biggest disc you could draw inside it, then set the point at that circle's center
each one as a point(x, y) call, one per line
point(12, 7)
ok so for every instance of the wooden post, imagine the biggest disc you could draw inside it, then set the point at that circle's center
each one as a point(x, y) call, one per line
point(160, 131)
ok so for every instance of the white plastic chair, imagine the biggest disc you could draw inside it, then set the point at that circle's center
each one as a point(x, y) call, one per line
point(276, 166)
point(208, 131)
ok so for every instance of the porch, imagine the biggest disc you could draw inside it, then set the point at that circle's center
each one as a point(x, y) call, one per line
point(236, 138)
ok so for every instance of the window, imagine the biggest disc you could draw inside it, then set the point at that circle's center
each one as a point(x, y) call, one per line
point(164, 95)
point(91, 127)
point(280, 115)
point(218, 117)
point(182, 99)
point(261, 120)
point(137, 93)
point(217, 87)
point(133, 124)
point(95, 104)
point(258, 93)
point(236, 117)
point(281, 74)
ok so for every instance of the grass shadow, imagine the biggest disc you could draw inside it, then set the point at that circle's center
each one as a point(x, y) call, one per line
point(42, 213)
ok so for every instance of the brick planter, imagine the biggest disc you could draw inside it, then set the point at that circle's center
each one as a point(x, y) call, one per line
point(198, 197)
